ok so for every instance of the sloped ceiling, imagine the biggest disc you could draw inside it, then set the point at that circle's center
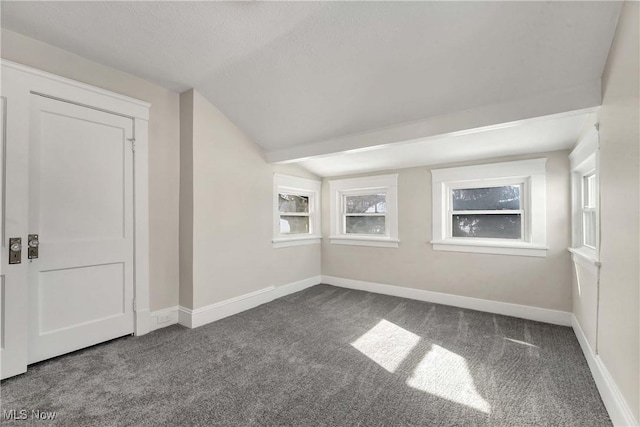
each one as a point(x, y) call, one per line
point(294, 74)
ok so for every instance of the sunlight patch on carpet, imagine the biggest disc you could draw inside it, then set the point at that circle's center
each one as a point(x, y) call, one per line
point(386, 344)
point(446, 375)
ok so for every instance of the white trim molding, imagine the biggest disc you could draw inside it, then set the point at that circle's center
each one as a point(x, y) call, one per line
point(584, 258)
point(296, 241)
point(529, 175)
point(192, 318)
point(81, 93)
point(537, 314)
point(612, 398)
point(491, 248)
point(163, 318)
point(339, 189)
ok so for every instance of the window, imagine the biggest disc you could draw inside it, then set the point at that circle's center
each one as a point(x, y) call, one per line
point(364, 211)
point(296, 211)
point(495, 208)
point(294, 214)
point(585, 211)
point(487, 212)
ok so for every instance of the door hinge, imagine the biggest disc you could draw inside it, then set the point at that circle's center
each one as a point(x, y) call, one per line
point(133, 144)
point(134, 304)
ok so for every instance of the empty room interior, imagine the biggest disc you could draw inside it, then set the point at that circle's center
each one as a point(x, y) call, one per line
point(320, 213)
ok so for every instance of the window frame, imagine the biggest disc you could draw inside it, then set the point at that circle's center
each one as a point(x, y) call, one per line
point(584, 161)
point(296, 186)
point(529, 174)
point(379, 184)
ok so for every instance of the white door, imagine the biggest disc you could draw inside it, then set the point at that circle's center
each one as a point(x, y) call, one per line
point(13, 298)
point(81, 207)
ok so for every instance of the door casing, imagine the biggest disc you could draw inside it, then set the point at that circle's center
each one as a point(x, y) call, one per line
point(18, 84)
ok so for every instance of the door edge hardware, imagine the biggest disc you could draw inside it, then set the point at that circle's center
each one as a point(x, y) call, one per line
point(15, 250)
point(33, 243)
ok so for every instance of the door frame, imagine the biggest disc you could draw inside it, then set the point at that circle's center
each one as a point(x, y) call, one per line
point(19, 83)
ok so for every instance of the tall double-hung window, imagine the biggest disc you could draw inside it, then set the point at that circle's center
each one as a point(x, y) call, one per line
point(585, 218)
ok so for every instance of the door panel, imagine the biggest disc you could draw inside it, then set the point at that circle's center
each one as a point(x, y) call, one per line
point(81, 206)
point(99, 294)
point(81, 179)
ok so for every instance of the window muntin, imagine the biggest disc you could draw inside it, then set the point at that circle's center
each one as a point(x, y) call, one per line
point(489, 212)
point(365, 214)
point(589, 204)
point(294, 213)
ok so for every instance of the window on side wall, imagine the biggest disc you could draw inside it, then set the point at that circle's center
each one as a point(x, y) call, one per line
point(296, 211)
point(364, 211)
point(589, 206)
point(496, 208)
point(585, 200)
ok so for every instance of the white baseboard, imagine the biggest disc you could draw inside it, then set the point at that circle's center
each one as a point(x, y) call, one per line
point(613, 400)
point(163, 318)
point(515, 310)
point(210, 313)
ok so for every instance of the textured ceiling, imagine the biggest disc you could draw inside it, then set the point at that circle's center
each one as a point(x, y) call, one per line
point(297, 73)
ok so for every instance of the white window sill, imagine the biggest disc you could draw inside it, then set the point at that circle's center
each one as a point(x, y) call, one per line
point(488, 247)
point(365, 241)
point(586, 256)
point(285, 242)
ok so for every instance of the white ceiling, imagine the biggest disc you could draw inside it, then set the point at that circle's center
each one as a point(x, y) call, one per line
point(293, 74)
point(531, 136)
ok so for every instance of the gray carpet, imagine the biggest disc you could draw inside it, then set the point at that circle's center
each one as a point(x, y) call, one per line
point(324, 357)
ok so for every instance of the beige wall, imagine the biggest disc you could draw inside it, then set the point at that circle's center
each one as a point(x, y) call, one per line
point(232, 214)
point(163, 148)
point(619, 306)
point(539, 282)
point(186, 199)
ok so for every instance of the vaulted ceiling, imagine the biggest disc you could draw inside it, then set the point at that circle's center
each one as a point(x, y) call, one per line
point(314, 74)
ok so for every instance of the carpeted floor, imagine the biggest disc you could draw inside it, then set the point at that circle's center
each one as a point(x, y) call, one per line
point(326, 356)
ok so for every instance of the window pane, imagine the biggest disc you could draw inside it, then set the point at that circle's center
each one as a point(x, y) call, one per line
point(589, 229)
point(503, 226)
point(590, 191)
point(365, 225)
point(369, 203)
point(294, 224)
point(291, 203)
point(490, 198)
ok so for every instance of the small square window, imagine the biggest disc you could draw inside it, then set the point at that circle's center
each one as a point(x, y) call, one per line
point(296, 211)
point(364, 211)
point(365, 214)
